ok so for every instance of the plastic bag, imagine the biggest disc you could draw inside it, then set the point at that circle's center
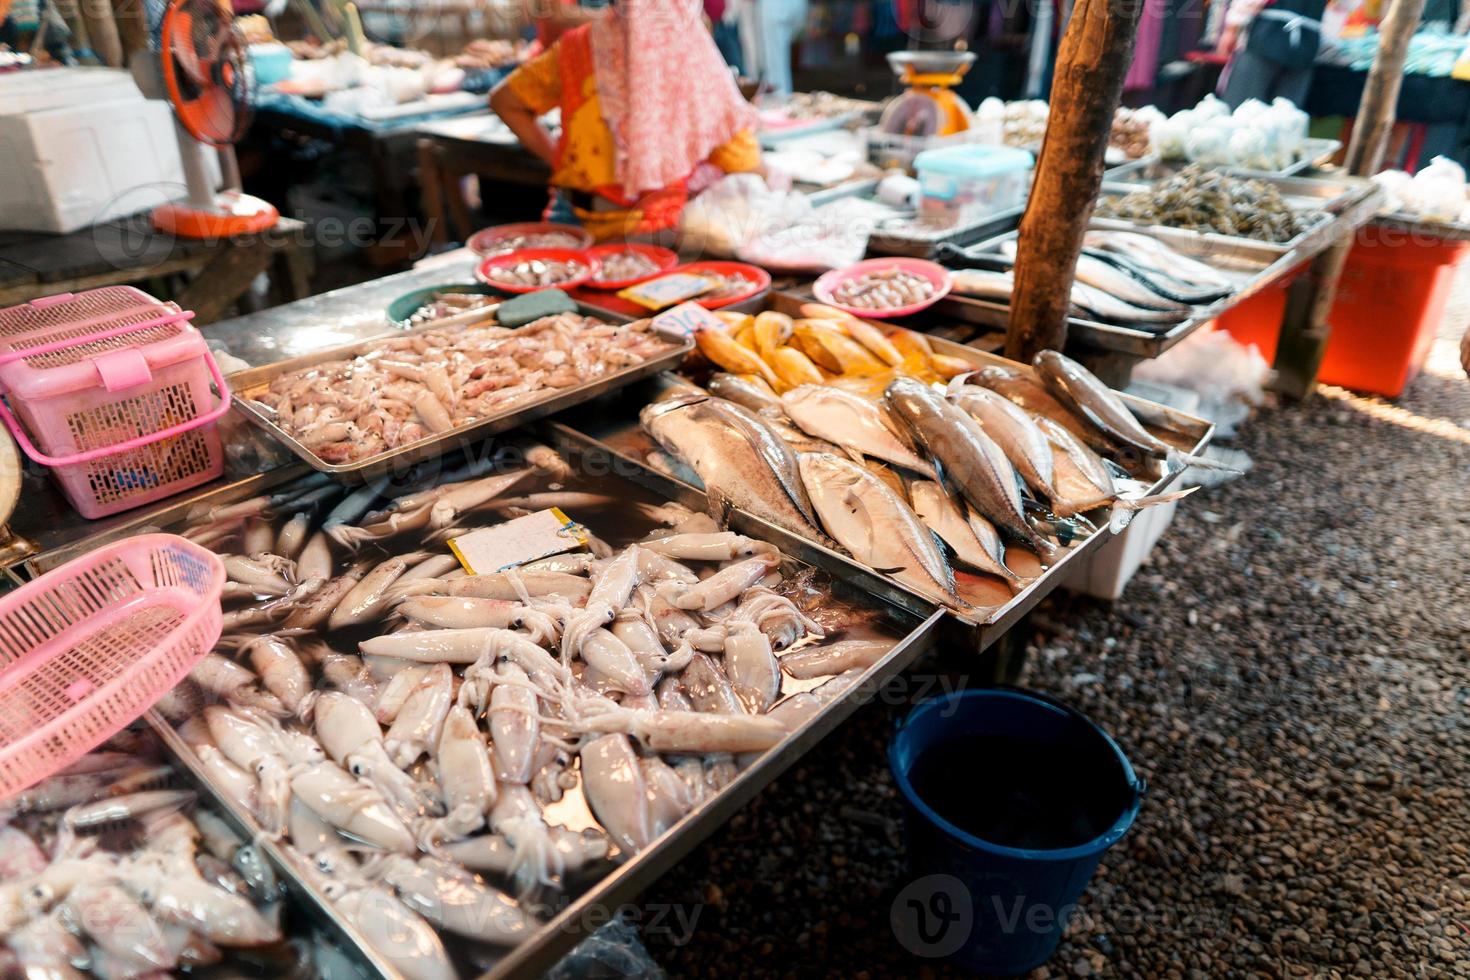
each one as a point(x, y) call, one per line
point(829, 237)
point(735, 210)
point(1229, 377)
point(1166, 137)
point(1393, 182)
point(1437, 192)
point(1207, 144)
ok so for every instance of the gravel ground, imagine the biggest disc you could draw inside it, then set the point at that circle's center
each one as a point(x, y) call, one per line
point(1288, 671)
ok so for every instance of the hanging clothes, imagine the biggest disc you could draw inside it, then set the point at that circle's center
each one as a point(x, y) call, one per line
point(1144, 70)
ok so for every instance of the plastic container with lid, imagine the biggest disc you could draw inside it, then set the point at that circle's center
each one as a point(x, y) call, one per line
point(959, 185)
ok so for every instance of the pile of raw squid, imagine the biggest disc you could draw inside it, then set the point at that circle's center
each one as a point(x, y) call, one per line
point(439, 749)
point(105, 869)
point(992, 471)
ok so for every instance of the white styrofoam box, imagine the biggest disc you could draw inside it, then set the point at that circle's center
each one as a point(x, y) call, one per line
point(70, 168)
point(1105, 573)
point(57, 88)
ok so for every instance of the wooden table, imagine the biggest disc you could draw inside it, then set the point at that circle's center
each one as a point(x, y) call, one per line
point(450, 149)
point(129, 250)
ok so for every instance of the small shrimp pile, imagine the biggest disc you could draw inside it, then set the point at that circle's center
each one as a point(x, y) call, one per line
point(622, 266)
point(444, 749)
point(102, 870)
point(536, 272)
point(445, 303)
point(501, 244)
point(411, 387)
point(725, 286)
point(885, 289)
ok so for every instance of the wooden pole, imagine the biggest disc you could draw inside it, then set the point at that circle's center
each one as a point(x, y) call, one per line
point(1304, 328)
point(1091, 63)
point(1379, 106)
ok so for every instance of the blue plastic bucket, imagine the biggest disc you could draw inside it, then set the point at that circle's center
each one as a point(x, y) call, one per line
point(1011, 799)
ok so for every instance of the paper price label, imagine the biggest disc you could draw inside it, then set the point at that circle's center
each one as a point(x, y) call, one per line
point(655, 294)
point(686, 320)
point(494, 549)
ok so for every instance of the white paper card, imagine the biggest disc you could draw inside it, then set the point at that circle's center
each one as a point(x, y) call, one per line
point(687, 319)
point(493, 549)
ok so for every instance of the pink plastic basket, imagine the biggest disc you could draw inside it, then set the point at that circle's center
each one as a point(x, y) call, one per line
point(87, 648)
point(114, 386)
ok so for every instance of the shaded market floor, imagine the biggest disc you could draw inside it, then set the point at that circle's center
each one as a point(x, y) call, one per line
point(1290, 674)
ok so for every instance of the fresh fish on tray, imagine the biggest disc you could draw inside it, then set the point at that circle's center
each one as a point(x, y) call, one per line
point(997, 469)
point(1087, 301)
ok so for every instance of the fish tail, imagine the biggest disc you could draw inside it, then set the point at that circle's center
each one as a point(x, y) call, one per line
point(1203, 462)
point(1153, 500)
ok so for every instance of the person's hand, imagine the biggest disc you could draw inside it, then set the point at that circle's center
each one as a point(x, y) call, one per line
point(1465, 353)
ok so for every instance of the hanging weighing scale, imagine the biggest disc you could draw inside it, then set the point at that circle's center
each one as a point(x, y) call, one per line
point(930, 106)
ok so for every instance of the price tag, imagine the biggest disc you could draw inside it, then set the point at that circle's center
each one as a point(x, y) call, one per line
point(494, 549)
point(655, 294)
point(686, 320)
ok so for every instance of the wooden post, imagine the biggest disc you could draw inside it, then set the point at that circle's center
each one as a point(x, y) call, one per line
point(1091, 62)
point(1304, 328)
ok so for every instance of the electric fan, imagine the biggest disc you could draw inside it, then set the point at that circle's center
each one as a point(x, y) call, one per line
point(197, 61)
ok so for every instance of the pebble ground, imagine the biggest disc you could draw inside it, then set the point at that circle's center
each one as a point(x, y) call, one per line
point(1290, 673)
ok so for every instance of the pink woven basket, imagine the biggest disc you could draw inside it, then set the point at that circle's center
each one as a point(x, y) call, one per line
point(87, 648)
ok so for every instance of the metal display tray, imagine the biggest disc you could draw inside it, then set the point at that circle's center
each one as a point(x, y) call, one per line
point(1326, 197)
point(244, 383)
point(616, 431)
point(1316, 152)
point(1247, 266)
point(920, 243)
point(916, 623)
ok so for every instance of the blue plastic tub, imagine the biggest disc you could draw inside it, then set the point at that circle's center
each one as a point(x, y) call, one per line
point(1011, 799)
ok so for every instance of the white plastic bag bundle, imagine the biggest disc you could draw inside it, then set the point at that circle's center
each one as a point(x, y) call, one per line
point(1229, 377)
point(1166, 136)
point(1436, 193)
point(1208, 144)
point(1393, 182)
point(737, 209)
point(829, 237)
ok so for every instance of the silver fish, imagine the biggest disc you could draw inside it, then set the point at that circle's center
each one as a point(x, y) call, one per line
point(876, 525)
point(1113, 281)
point(1148, 250)
point(968, 459)
point(737, 456)
point(974, 539)
point(1078, 389)
point(1083, 481)
point(1087, 300)
point(745, 390)
point(850, 421)
point(1022, 388)
point(1012, 429)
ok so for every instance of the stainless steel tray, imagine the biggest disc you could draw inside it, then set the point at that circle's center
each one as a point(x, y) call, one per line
point(71, 535)
point(1315, 153)
point(1244, 266)
point(917, 242)
point(616, 431)
point(916, 622)
point(243, 383)
point(1327, 198)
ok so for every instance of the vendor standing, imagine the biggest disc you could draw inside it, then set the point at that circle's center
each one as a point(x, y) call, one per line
point(1272, 46)
point(650, 115)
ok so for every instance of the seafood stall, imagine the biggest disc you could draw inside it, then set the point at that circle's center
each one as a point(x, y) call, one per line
point(472, 688)
point(1132, 302)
